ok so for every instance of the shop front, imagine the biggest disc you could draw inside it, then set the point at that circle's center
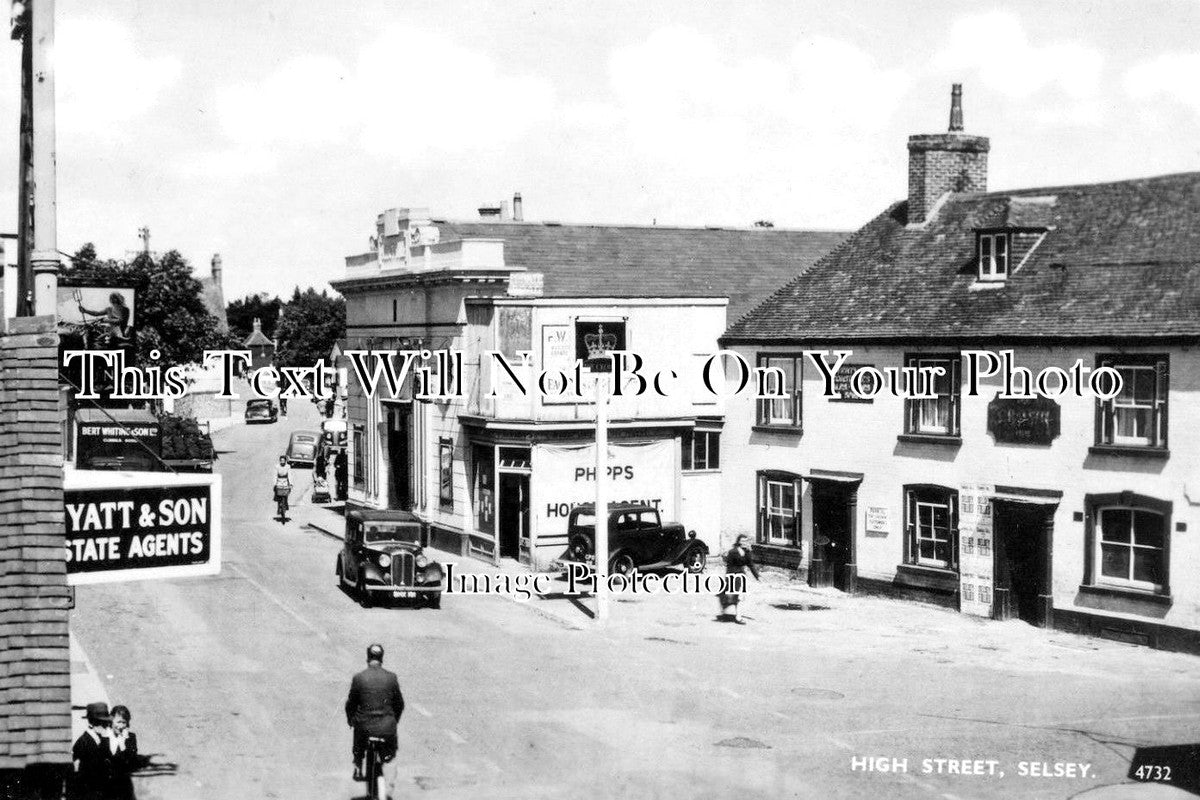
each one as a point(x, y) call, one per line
point(523, 493)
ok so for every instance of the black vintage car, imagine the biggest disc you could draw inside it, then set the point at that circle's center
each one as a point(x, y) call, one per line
point(637, 539)
point(383, 557)
point(260, 410)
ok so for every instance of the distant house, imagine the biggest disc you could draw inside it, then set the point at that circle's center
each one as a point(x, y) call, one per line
point(262, 349)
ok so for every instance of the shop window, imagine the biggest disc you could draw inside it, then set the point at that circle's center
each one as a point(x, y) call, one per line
point(779, 508)
point(785, 379)
point(1137, 416)
point(931, 527)
point(1128, 542)
point(937, 415)
point(356, 443)
point(701, 450)
point(993, 256)
point(446, 472)
point(484, 466)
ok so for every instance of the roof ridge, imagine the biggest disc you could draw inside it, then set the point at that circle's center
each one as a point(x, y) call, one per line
point(633, 226)
point(1036, 190)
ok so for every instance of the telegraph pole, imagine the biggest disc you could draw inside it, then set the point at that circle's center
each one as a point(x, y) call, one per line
point(601, 497)
point(37, 260)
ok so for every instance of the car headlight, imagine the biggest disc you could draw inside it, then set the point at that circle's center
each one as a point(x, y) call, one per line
point(422, 562)
point(385, 560)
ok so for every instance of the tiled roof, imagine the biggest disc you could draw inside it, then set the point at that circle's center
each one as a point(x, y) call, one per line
point(743, 264)
point(1116, 260)
point(257, 339)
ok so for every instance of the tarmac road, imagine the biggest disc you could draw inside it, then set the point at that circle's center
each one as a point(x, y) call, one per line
point(236, 684)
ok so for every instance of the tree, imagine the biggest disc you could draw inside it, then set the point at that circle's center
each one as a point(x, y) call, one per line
point(169, 314)
point(309, 324)
point(242, 313)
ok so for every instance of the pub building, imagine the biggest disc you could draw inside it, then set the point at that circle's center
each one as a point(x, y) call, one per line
point(1069, 512)
point(495, 476)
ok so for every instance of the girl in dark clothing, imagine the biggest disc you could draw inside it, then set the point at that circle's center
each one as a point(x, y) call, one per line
point(123, 744)
point(737, 561)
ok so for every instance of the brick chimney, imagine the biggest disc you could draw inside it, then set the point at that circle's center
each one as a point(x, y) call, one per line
point(939, 163)
point(216, 268)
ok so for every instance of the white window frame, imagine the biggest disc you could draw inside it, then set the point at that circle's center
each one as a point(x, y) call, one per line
point(785, 412)
point(688, 445)
point(995, 256)
point(1133, 405)
point(1131, 545)
point(772, 487)
point(921, 507)
point(935, 406)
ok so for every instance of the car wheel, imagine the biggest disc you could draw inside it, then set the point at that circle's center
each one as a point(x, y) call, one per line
point(360, 588)
point(435, 600)
point(621, 565)
point(338, 571)
point(696, 561)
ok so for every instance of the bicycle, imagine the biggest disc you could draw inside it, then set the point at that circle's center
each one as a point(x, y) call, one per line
point(281, 502)
point(376, 757)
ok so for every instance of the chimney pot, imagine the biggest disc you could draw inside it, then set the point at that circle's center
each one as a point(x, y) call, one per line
point(518, 211)
point(956, 115)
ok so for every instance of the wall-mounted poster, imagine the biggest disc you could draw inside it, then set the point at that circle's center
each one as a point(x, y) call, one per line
point(975, 565)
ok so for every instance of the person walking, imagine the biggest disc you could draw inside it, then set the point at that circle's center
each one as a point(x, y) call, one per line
point(92, 756)
point(737, 561)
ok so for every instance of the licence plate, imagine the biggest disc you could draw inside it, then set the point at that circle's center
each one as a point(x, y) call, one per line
point(404, 594)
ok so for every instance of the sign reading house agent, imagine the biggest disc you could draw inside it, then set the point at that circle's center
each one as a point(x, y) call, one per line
point(1022, 420)
point(129, 526)
point(843, 387)
point(564, 476)
point(975, 561)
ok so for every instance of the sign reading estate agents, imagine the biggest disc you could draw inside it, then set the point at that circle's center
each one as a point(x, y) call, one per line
point(126, 526)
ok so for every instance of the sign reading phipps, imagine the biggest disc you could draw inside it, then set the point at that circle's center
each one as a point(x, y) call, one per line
point(138, 526)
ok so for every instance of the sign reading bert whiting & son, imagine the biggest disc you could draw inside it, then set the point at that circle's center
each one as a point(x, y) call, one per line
point(126, 526)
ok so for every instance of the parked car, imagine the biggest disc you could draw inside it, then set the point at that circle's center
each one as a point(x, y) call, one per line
point(261, 411)
point(302, 448)
point(637, 539)
point(383, 556)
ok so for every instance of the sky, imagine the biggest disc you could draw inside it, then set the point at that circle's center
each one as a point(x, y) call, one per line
point(275, 132)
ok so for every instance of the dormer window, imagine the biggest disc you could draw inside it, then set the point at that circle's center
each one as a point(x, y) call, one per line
point(993, 256)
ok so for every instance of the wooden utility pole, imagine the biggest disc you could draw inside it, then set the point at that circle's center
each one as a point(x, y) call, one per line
point(37, 260)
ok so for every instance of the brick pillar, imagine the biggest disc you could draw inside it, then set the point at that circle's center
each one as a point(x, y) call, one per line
point(35, 668)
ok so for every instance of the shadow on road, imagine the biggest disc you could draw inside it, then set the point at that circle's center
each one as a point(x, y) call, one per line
point(150, 767)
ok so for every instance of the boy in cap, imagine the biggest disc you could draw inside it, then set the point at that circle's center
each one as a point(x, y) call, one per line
point(92, 755)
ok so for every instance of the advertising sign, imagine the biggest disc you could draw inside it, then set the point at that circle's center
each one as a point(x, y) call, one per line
point(129, 526)
point(842, 387)
point(878, 521)
point(975, 555)
point(119, 438)
point(558, 355)
point(565, 477)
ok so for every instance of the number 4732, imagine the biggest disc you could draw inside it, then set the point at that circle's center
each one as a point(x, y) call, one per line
point(1150, 772)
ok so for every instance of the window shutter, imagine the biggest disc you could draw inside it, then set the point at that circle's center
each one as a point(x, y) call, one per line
point(955, 395)
point(910, 406)
point(798, 392)
point(797, 504)
point(685, 450)
point(1162, 386)
point(910, 526)
point(762, 508)
point(1104, 414)
point(1089, 545)
point(952, 505)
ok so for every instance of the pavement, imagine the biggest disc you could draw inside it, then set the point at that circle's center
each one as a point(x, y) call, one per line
point(236, 683)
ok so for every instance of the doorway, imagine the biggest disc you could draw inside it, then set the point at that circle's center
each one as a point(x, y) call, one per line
point(1023, 534)
point(400, 458)
point(833, 512)
point(513, 517)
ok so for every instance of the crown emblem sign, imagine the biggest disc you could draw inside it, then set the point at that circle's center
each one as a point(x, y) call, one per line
point(599, 344)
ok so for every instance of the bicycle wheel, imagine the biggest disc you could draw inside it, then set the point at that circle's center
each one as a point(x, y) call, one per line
point(381, 785)
point(372, 767)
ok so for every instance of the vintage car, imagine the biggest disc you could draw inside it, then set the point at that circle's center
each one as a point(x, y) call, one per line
point(261, 411)
point(637, 539)
point(383, 557)
point(302, 448)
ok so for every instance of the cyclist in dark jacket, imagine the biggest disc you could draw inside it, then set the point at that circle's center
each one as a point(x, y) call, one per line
point(374, 707)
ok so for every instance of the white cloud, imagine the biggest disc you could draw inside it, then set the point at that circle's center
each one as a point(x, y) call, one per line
point(1172, 75)
point(409, 93)
point(102, 81)
point(679, 99)
point(996, 47)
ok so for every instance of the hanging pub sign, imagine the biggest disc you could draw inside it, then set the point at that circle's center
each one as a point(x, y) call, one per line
point(1033, 420)
point(130, 526)
point(843, 388)
point(594, 340)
